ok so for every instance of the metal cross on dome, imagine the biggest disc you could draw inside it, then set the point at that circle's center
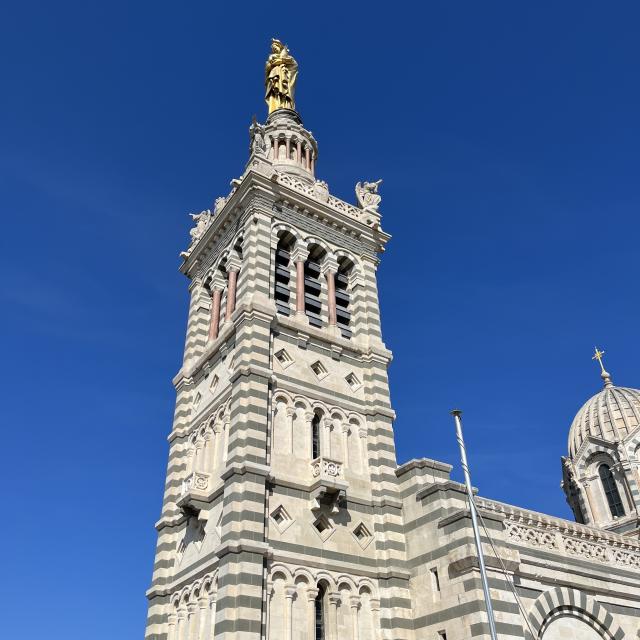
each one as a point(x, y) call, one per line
point(598, 356)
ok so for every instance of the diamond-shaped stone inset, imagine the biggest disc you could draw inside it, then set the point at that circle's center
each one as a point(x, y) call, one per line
point(362, 535)
point(319, 369)
point(281, 518)
point(353, 382)
point(323, 527)
point(283, 357)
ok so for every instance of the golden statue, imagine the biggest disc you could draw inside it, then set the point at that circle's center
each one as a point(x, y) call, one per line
point(280, 77)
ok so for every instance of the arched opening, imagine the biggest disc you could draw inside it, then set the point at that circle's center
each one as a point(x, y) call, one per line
point(320, 615)
point(282, 276)
point(611, 491)
point(313, 285)
point(343, 298)
point(315, 436)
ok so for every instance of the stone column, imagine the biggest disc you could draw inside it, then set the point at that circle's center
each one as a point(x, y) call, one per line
point(354, 603)
point(191, 461)
point(233, 268)
point(334, 601)
point(308, 416)
point(591, 502)
point(211, 632)
point(269, 604)
point(225, 439)
point(374, 603)
point(291, 416)
point(172, 620)
point(299, 152)
point(312, 162)
point(181, 626)
point(287, 142)
point(192, 627)
point(345, 446)
point(289, 594)
point(204, 618)
point(208, 453)
point(325, 440)
point(219, 445)
point(330, 268)
point(364, 451)
point(298, 256)
point(312, 594)
point(197, 460)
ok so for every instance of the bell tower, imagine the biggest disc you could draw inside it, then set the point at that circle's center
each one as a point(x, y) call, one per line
point(281, 516)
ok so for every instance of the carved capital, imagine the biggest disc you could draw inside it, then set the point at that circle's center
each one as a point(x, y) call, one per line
point(354, 602)
point(290, 592)
point(312, 593)
point(299, 253)
point(329, 264)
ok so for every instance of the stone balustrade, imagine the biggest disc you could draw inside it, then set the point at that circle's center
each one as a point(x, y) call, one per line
point(534, 529)
point(326, 469)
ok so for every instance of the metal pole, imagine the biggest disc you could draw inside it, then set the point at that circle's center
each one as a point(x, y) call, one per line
point(456, 413)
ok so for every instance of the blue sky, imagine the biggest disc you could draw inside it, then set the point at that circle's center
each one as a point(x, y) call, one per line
point(507, 136)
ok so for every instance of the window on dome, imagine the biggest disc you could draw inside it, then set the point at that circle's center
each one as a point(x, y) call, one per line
point(611, 491)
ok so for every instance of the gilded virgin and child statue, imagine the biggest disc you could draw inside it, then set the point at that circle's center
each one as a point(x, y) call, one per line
point(280, 77)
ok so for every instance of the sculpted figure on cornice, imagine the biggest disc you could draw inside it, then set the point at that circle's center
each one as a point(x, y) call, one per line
point(367, 195)
point(258, 144)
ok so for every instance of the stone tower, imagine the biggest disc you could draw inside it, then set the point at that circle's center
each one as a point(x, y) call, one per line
point(282, 512)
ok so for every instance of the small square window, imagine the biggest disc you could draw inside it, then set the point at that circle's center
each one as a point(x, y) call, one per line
point(214, 382)
point(319, 369)
point(353, 382)
point(284, 358)
point(196, 400)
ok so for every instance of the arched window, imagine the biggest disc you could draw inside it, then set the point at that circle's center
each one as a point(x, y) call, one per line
point(282, 279)
point(315, 436)
point(343, 299)
point(319, 612)
point(611, 491)
point(313, 286)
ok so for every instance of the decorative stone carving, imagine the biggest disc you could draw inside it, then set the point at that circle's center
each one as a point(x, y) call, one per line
point(326, 468)
point(218, 204)
point(202, 220)
point(258, 143)
point(367, 195)
point(321, 190)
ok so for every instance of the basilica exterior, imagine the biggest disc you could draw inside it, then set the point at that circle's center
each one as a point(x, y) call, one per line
point(286, 515)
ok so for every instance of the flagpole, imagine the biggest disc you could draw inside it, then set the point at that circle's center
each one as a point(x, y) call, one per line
point(456, 413)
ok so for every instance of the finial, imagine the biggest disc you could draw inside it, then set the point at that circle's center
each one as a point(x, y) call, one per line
point(605, 375)
point(280, 76)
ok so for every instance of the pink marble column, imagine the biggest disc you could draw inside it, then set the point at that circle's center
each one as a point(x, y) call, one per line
point(231, 294)
point(216, 295)
point(299, 152)
point(300, 287)
point(331, 296)
point(288, 147)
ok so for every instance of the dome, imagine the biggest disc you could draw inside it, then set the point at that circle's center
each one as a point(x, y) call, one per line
point(610, 415)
